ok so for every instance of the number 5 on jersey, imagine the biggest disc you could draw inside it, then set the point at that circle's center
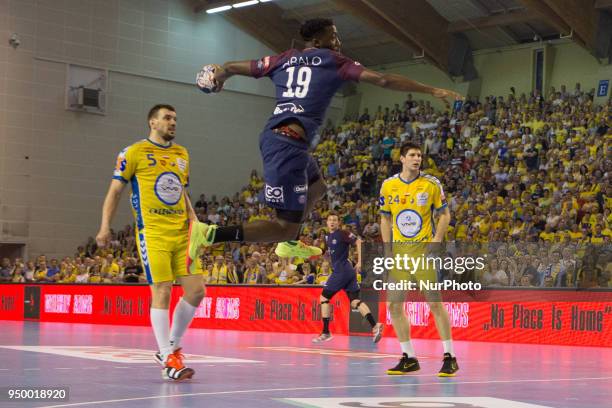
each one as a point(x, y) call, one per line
point(303, 81)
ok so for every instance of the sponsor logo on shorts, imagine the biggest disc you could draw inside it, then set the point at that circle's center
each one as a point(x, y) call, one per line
point(302, 199)
point(288, 107)
point(274, 194)
point(300, 189)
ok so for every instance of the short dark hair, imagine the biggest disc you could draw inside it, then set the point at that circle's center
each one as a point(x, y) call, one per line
point(154, 110)
point(333, 214)
point(408, 146)
point(315, 26)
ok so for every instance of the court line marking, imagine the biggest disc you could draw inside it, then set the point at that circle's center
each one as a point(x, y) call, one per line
point(403, 376)
point(339, 387)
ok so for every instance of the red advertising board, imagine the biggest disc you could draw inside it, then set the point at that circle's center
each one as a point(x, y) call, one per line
point(561, 323)
point(295, 309)
point(224, 307)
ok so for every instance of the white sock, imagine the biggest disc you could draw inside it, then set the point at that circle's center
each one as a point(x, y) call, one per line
point(407, 348)
point(181, 319)
point(448, 347)
point(160, 320)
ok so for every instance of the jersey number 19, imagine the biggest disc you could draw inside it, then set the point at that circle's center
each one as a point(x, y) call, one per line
point(303, 80)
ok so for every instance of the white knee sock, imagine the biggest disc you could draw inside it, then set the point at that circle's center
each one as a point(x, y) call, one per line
point(407, 348)
point(160, 320)
point(181, 319)
point(448, 347)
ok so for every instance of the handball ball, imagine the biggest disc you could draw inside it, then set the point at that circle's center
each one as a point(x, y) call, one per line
point(206, 79)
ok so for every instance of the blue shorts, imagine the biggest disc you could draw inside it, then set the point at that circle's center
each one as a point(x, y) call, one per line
point(288, 170)
point(342, 280)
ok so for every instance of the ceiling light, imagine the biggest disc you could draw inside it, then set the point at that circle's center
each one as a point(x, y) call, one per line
point(245, 3)
point(218, 9)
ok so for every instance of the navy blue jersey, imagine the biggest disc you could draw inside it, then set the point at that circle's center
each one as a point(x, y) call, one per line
point(339, 243)
point(305, 83)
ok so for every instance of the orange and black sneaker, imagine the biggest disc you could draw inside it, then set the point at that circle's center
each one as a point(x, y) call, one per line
point(174, 369)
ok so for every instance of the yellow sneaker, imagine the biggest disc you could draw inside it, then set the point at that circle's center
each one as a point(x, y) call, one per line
point(296, 249)
point(200, 234)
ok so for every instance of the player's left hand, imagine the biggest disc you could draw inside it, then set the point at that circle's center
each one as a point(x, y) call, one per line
point(358, 269)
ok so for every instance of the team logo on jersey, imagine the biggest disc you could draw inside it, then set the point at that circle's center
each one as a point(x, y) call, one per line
point(168, 188)
point(121, 162)
point(422, 198)
point(263, 63)
point(274, 194)
point(288, 107)
point(181, 163)
point(409, 223)
point(334, 242)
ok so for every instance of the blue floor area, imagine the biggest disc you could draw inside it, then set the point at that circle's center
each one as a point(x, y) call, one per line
point(112, 366)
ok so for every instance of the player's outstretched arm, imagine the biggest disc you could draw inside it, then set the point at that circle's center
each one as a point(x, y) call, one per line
point(108, 212)
point(229, 69)
point(401, 83)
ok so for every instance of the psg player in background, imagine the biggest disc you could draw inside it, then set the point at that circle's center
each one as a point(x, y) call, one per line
point(305, 82)
point(343, 277)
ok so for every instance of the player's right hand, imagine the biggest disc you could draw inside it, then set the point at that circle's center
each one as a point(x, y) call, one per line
point(446, 93)
point(103, 238)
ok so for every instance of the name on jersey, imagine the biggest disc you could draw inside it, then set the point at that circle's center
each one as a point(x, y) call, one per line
point(293, 61)
point(166, 211)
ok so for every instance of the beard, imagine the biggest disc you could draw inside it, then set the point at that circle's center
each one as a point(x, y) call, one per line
point(168, 137)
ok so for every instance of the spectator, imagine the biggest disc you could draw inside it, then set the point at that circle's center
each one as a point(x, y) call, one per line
point(252, 273)
point(17, 276)
point(83, 275)
point(133, 271)
point(218, 275)
point(6, 270)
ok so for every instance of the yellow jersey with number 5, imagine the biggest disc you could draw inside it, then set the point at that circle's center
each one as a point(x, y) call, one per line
point(158, 176)
point(411, 205)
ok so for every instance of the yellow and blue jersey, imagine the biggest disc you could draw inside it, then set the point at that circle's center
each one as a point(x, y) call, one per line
point(411, 205)
point(158, 176)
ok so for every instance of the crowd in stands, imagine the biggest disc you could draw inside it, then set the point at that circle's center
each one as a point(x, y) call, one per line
point(525, 176)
